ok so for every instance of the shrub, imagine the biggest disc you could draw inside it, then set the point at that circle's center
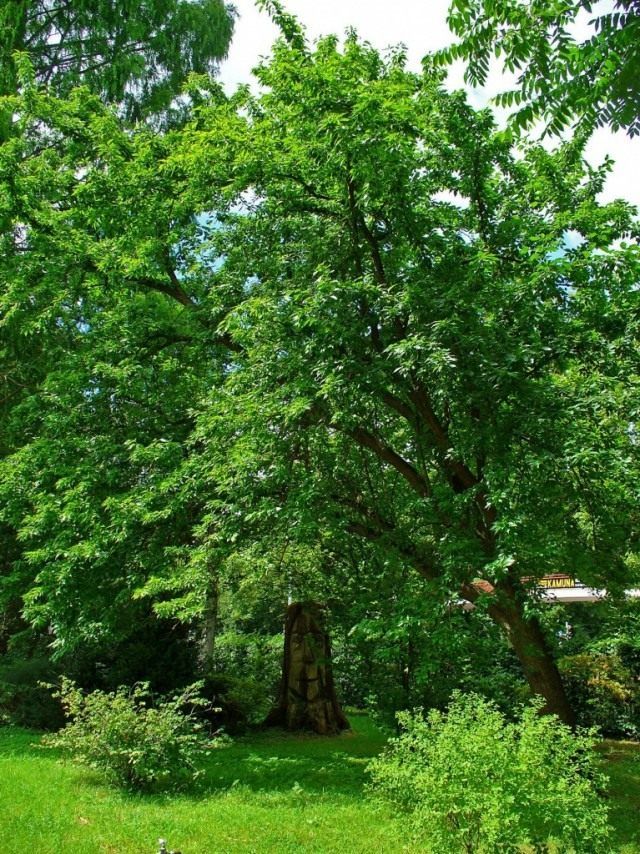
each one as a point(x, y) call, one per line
point(24, 700)
point(236, 703)
point(603, 691)
point(134, 743)
point(242, 679)
point(472, 781)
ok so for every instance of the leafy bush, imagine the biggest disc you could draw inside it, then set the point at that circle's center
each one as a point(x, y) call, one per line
point(604, 692)
point(472, 781)
point(236, 702)
point(24, 700)
point(242, 679)
point(134, 743)
point(391, 663)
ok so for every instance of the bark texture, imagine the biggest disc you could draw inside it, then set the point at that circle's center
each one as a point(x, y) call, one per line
point(307, 698)
point(539, 666)
point(529, 644)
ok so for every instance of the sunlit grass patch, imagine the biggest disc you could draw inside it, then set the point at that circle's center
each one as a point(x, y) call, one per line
point(267, 793)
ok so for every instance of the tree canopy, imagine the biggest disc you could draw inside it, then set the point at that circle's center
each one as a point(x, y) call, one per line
point(561, 79)
point(339, 311)
point(137, 57)
point(131, 52)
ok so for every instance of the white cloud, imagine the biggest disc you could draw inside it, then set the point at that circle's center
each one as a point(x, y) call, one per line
point(421, 26)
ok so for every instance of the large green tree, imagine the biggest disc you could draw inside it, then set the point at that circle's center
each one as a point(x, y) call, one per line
point(561, 79)
point(338, 310)
point(138, 57)
point(96, 422)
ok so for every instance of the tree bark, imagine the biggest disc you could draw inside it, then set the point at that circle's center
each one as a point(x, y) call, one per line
point(532, 650)
point(307, 699)
point(209, 625)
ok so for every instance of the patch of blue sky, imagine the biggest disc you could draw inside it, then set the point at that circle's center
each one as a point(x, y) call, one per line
point(571, 239)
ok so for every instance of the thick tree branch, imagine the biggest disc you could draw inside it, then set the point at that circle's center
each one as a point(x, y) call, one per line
point(172, 290)
point(460, 475)
point(418, 482)
point(309, 188)
point(155, 344)
point(399, 406)
point(176, 292)
point(358, 224)
point(374, 248)
point(353, 225)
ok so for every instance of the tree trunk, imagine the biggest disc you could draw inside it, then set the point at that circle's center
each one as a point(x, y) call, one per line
point(209, 624)
point(307, 698)
point(532, 650)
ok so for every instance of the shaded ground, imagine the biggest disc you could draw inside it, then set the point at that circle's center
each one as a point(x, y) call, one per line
point(623, 767)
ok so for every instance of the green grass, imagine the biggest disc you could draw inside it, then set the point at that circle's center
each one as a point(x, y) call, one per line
point(622, 764)
point(264, 794)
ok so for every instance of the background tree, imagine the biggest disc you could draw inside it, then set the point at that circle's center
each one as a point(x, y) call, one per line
point(129, 52)
point(135, 56)
point(109, 386)
point(561, 80)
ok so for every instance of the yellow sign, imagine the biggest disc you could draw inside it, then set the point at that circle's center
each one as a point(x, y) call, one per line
point(557, 582)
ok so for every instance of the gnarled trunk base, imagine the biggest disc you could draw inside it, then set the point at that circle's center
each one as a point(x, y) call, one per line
point(307, 698)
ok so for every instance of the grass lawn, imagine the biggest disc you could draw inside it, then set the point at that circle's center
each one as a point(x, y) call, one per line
point(264, 794)
point(622, 764)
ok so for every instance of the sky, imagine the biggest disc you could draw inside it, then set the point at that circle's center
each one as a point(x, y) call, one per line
point(422, 27)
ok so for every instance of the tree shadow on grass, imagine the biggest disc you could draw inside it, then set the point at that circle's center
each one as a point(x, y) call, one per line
point(270, 762)
point(15, 742)
point(625, 805)
point(623, 769)
point(334, 773)
point(279, 762)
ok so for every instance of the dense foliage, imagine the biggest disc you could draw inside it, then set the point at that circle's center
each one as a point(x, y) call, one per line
point(134, 741)
point(599, 657)
point(130, 52)
point(330, 341)
point(339, 322)
point(561, 79)
point(138, 57)
point(473, 782)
